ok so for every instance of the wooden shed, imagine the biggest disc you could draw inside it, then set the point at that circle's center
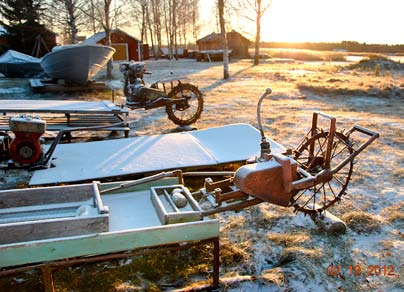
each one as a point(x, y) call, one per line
point(127, 47)
point(237, 44)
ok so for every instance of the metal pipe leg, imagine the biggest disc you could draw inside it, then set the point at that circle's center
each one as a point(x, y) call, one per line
point(216, 263)
point(47, 279)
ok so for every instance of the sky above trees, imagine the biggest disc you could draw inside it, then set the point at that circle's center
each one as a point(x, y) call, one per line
point(370, 21)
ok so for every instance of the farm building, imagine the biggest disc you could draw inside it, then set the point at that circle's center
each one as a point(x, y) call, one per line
point(127, 47)
point(237, 44)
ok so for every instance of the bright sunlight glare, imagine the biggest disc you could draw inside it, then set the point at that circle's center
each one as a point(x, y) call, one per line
point(370, 21)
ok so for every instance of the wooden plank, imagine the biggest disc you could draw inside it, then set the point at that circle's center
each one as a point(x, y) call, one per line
point(45, 195)
point(103, 243)
point(52, 228)
point(35, 83)
point(114, 108)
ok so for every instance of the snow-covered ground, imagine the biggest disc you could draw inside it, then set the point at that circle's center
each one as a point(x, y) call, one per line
point(270, 248)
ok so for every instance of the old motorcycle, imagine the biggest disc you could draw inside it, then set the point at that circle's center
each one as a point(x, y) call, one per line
point(183, 101)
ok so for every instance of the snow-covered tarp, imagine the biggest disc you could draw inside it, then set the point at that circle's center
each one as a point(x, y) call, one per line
point(138, 155)
point(14, 57)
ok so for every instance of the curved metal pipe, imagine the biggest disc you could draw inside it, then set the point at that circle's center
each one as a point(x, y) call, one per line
point(267, 92)
point(264, 145)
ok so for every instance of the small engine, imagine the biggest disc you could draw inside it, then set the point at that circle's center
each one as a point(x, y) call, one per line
point(133, 70)
point(134, 87)
point(26, 148)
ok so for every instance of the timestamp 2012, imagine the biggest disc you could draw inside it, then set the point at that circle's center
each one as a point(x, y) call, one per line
point(362, 270)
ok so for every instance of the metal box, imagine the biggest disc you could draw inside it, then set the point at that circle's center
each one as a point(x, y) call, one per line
point(166, 208)
point(27, 124)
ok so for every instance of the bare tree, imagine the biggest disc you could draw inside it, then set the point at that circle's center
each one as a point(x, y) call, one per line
point(68, 15)
point(156, 8)
point(188, 18)
point(92, 15)
point(168, 20)
point(105, 15)
point(195, 18)
point(167, 24)
point(253, 10)
point(173, 36)
point(139, 12)
point(107, 28)
point(226, 74)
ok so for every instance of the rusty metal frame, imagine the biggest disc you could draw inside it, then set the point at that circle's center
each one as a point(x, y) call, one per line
point(47, 267)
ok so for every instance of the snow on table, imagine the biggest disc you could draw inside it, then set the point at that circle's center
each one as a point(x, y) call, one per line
point(138, 155)
point(59, 106)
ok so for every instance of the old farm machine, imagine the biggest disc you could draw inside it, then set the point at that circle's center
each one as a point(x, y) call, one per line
point(310, 178)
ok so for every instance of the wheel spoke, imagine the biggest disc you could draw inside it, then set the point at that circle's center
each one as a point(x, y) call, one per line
point(331, 189)
point(302, 193)
point(311, 159)
point(339, 152)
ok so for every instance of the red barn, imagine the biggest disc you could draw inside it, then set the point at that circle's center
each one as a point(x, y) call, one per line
point(127, 47)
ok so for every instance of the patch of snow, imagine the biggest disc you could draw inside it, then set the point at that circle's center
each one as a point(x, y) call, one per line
point(367, 100)
point(12, 90)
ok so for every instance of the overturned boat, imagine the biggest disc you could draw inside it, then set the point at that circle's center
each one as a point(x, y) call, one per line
point(15, 64)
point(77, 64)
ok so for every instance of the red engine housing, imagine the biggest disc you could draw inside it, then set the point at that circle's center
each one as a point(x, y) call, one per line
point(26, 148)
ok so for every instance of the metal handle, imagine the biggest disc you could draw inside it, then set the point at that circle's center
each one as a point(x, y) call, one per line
point(267, 92)
point(373, 136)
point(365, 131)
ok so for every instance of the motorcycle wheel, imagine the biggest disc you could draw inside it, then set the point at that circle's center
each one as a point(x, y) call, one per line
point(187, 110)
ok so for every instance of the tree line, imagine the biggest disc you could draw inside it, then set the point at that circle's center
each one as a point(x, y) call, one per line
point(349, 46)
point(174, 21)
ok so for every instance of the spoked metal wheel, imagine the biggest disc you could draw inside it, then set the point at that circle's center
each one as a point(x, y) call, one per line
point(311, 157)
point(189, 106)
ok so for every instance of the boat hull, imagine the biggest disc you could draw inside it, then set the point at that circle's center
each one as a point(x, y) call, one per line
point(78, 63)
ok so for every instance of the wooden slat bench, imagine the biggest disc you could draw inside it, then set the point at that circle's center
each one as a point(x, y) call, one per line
point(61, 115)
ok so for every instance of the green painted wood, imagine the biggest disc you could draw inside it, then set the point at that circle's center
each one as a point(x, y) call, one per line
point(108, 242)
point(103, 243)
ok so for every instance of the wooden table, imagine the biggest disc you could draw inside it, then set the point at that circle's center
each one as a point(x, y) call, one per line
point(67, 114)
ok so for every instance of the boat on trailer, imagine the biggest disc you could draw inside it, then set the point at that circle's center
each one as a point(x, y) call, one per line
point(76, 64)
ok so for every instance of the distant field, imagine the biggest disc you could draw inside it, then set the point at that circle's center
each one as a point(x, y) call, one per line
point(313, 55)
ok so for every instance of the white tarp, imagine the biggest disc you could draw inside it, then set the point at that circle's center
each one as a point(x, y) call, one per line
point(92, 160)
point(14, 57)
